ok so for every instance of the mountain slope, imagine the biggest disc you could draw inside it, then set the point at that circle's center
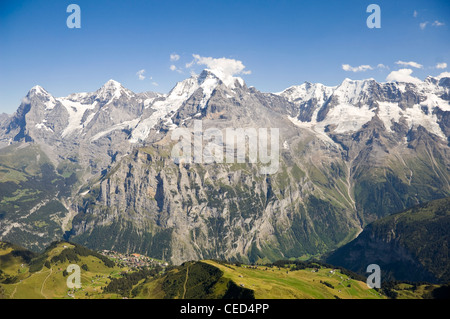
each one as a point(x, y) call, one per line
point(210, 279)
point(347, 156)
point(32, 193)
point(411, 245)
point(221, 210)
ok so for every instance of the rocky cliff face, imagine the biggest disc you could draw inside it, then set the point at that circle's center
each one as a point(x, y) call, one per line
point(347, 156)
point(210, 211)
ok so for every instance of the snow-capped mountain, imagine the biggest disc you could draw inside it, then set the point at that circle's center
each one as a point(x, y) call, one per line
point(349, 154)
point(338, 109)
point(347, 107)
point(201, 86)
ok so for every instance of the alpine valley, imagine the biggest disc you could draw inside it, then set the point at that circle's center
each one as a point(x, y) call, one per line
point(96, 168)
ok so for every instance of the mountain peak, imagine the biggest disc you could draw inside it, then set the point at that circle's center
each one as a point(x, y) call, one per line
point(348, 80)
point(111, 90)
point(37, 89)
point(207, 73)
point(226, 78)
point(112, 85)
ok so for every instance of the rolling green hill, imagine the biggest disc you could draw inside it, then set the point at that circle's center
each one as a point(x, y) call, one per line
point(211, 279)
point(29, 276)
point(26, 275)
point(44, 276)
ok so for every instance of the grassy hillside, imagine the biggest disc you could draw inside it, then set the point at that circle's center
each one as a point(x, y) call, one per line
point(212, 279)
point(12, 259)
point(26, 275)
point(44, 277)
point(193, 280)
point(284, 283)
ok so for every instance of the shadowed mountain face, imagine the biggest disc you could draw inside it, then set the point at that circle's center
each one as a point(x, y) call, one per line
point(348, 155)
point(412, 245)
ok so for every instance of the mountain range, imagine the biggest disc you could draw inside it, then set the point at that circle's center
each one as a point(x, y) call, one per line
point(96, 168)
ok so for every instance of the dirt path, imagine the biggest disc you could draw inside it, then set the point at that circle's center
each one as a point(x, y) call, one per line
point(185, 282)
point(12, 294)
point(43, 283)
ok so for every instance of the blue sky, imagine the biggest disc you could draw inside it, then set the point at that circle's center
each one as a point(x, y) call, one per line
point(280, 43)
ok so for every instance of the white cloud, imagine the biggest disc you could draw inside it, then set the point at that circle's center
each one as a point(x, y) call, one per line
point(174, 57)
point(415, 14)
point(140, 74)
point(423, 25)
point(436, 23)
point(173, 67)
point(361, 68)
point(411, 63)
point(442, 65)
point(444, 75)
point(190, 64)
point(382, 66)
point(155, 84)
point(222, 67)
point(402, 75)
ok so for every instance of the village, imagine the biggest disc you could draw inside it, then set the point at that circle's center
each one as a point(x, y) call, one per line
point(133, 260)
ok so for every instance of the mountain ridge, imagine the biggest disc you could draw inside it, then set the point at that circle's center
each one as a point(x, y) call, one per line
point(349, 155)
